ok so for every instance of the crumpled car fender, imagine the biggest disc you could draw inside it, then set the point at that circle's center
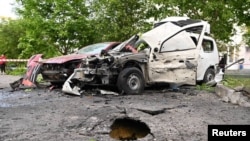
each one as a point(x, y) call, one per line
point(33, 68)
point(29, 78)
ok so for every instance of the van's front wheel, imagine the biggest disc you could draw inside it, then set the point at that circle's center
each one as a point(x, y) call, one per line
point(209, 75)
point(131, 81)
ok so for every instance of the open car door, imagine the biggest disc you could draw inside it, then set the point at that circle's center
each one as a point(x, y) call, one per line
point(174, 56)
point(175, 62)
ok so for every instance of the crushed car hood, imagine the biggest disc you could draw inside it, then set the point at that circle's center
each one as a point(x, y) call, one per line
point(63, 59)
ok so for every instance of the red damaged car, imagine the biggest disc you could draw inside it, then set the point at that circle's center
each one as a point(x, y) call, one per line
point(56, 70)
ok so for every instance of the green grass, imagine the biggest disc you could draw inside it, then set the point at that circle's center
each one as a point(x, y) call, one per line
point(17, 71)
point(205, 88)
point(229, 81)
point(234, 81)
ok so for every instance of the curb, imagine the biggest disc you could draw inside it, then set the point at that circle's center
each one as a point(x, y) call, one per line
point(235, 96)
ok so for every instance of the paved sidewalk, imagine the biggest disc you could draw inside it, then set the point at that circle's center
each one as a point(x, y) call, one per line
point(7, 79)
point(244, 72)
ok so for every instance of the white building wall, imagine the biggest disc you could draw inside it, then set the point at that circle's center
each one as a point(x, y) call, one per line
point(246, 64)
point(243, 52)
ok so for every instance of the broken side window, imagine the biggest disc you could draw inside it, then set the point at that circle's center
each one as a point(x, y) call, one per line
point(181, 41)
point(207, 46)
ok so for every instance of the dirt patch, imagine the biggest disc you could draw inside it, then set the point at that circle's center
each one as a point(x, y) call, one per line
point(40, 114)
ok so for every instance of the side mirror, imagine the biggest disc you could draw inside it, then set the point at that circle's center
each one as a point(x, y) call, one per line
point(156, 49)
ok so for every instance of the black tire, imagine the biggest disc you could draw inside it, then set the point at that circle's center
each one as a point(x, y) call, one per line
point(209, 75)
point(131, 81)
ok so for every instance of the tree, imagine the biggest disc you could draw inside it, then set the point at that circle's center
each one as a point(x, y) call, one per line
point(10, 32)
point(242, 12)
point(54, 26)
point(247, 36)
point(220, 14)
point(119, 19)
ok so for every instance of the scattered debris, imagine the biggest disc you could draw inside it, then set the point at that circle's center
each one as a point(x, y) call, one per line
point(238, 88)
point(219, 76)
point(123, 110)
point(105, 92)
point(153, 112)
point(52, 87)
point(16, 84)
point(238, 96)
point(21, 84)
point(244, 90)
point(160, 111)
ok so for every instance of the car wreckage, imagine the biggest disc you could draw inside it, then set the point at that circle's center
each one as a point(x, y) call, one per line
point(178, 51)
point(56, 70)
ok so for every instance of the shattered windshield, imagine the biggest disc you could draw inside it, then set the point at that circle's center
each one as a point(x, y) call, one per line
point(134, 44)
point(130, 42)
point(93, 49)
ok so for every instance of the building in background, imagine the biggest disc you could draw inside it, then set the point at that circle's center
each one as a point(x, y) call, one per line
point(238, 50)
point(242, 52)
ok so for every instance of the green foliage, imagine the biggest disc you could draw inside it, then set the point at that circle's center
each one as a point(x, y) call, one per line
point(204, 87)
point(54, 26)
point(10, 32)
point(233, 81)
point(247, 36)
point(220, 14)
point(28, 90)
point(57, 27)
point(18, 71)
point(229, 81)
point(242, 12)
point(120, 19)
point(39, 78)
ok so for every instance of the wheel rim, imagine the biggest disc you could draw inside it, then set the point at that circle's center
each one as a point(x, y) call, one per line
point(210, 77)
point(133, 82)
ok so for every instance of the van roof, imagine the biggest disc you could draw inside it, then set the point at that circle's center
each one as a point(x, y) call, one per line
point(183, 21)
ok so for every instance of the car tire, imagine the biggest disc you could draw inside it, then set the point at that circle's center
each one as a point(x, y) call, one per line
point(131, 81)
point(209, 75)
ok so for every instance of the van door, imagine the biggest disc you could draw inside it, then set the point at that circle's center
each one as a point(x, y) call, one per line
point(175, 61)
point(208, 57)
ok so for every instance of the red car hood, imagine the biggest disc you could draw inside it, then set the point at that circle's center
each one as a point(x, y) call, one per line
point(63, 59)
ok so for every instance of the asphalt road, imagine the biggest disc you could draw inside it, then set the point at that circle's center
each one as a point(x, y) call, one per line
point(41, 114)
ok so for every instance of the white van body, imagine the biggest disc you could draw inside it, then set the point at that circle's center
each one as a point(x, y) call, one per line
point(207, 56)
